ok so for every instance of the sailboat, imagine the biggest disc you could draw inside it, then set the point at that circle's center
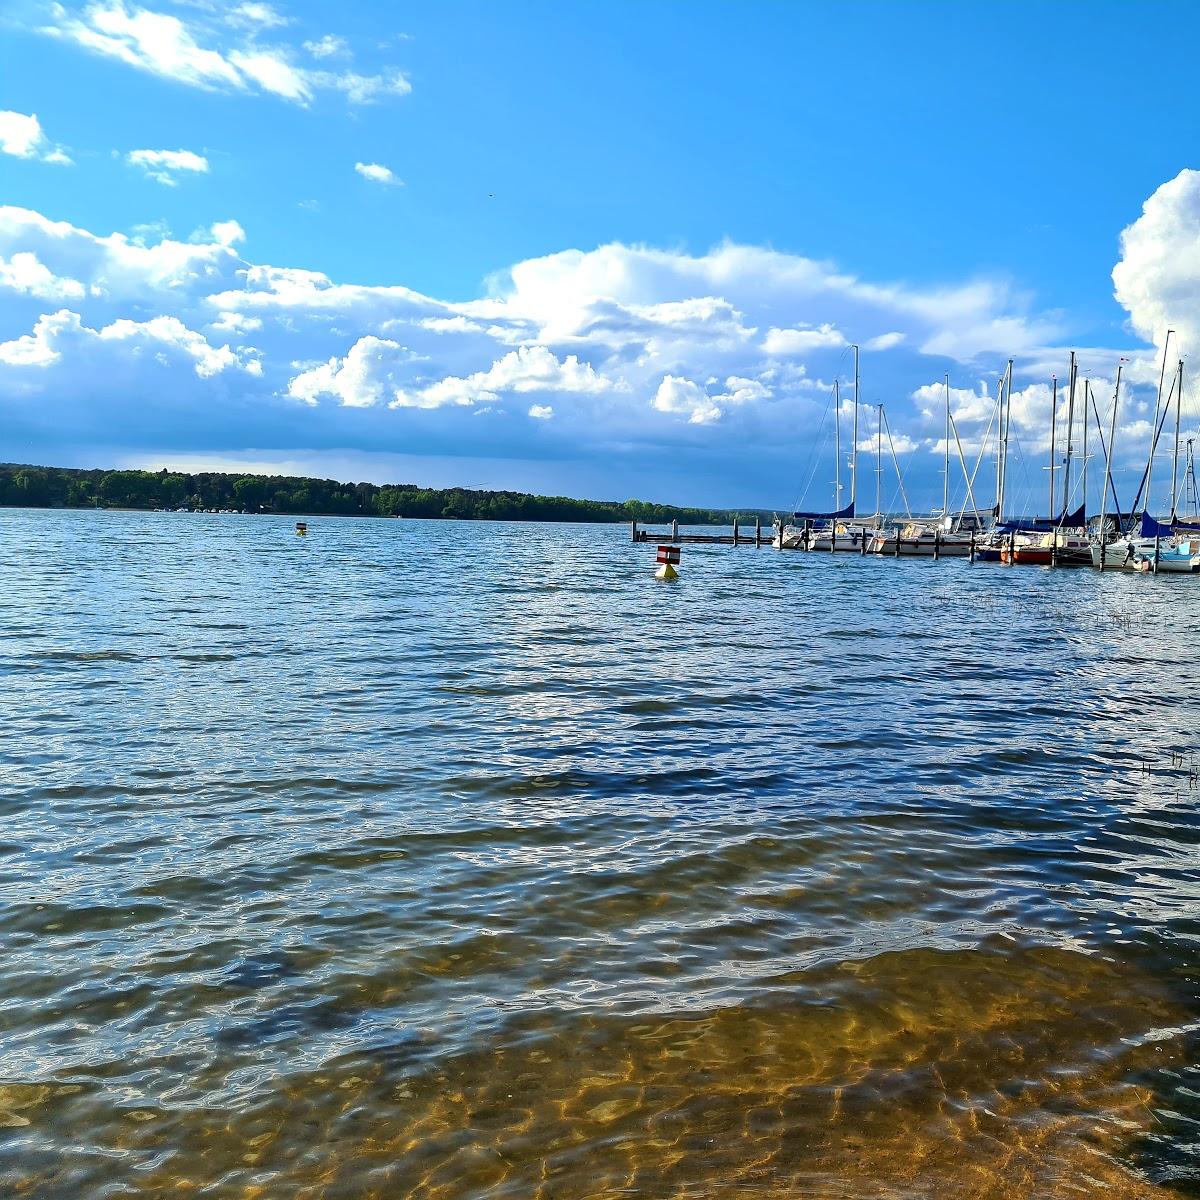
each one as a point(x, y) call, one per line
point(837, 530)
point(1063, 540)
point(933, 537)
point(1153, 545)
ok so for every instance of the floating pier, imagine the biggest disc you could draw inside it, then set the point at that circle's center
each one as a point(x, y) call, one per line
point(737, 538)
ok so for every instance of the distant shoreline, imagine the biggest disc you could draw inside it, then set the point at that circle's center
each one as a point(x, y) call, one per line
point(25, 485)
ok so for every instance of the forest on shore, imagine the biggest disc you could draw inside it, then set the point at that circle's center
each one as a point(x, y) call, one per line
point(68, 487)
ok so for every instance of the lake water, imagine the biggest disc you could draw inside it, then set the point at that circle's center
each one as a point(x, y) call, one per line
point(421, 859)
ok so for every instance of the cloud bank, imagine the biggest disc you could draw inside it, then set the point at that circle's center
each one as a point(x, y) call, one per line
point(639, 358)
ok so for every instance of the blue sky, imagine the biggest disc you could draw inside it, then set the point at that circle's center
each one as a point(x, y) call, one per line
point(621, 249)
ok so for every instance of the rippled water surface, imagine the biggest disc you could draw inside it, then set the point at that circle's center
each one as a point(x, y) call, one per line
point(420, 859)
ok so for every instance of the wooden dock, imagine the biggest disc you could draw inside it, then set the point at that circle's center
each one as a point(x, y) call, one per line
point(674, 538)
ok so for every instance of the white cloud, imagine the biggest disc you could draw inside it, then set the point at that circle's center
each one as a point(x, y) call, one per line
point(21, 135)
point(527, 369)
point(256, 15)
point(541, 412)
point(162, 340)
point(227, 233)
point(885, 341)
point(154, 42)
point(329, 46)
point(233, 322)
point(24, 273)
point(803, 340)
point(1158, 276)
point(273, 73)
point(363, 89)
point(744, 391)
point(377, 173)
point(165, 45)
point(165, 165)
point(685, 398)
point(371, 373)
point(451, 325)
point(118, 267)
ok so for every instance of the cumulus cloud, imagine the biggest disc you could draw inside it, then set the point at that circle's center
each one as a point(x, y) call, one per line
point(377, 173)
point(21, 135)
point(163, 340)
point(686, 398)
point(1158, 276)
point(198, 52)
point(372, 372)
point(24, 273)
point(166, 165)
point(541, 412)
point(121, 268)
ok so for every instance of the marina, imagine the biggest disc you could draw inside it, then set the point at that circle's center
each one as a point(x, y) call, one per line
point(1112, 539)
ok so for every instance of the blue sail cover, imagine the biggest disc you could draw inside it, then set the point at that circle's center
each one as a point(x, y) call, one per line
point(1045, 524)
point(1152, 528)
point(844, 515)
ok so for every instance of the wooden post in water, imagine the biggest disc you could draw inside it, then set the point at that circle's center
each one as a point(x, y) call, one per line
point(937, 544)
point(675, 530)
point(896, 552)
point(971, 548)
point(757, 532)
point(635, 531)
point(735, 531)
point(833, 537)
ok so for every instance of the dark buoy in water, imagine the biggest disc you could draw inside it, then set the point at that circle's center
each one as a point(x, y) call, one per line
point(302, 529)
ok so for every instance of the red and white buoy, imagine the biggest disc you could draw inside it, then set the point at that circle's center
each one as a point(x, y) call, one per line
point(668, 558)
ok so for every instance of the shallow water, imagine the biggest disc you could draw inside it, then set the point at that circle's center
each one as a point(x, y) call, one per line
point(466, 860)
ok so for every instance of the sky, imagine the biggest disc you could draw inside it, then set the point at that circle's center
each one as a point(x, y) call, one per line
point(603, 250)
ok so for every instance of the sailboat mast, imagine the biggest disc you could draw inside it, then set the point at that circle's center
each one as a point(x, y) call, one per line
point(1087, 391)
point(1175, 465)
point(1108, 458)
point(837, 446)
point(1053, 419)
point(1006, 413)
point(999, 448)
point(879, 469)
point(1162, 374)
point(1070, 430)
point(946, 463)
point(854, 443)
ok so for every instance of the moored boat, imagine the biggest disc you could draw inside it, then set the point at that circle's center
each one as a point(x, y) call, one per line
point(1059, 547)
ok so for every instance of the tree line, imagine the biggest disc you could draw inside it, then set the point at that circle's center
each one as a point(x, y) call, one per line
point(67, 487)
